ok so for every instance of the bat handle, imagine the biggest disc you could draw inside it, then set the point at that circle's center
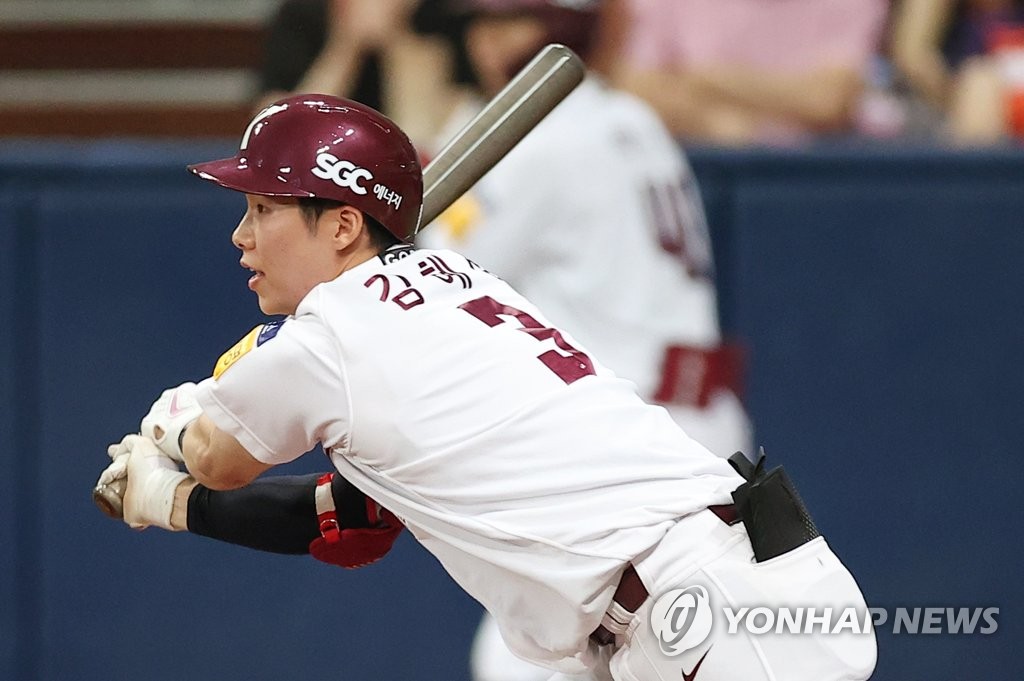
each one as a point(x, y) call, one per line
point(110, 498)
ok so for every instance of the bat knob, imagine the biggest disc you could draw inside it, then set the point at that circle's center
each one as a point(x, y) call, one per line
point(110, 498)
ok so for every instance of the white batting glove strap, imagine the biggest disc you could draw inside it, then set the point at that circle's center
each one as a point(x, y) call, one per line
point(169, 416)
point(153, 478)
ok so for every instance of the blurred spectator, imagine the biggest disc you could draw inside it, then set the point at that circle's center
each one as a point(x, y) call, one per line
point(964, 58)
point(403, 57)
point(752, 71)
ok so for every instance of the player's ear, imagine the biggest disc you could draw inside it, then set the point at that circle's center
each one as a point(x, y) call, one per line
point(346, 224)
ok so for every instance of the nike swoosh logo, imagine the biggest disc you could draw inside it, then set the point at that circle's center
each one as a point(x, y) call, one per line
point(172, 409)
point(693, 673)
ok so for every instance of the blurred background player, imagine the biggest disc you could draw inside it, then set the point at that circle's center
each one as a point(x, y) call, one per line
point(550, 217)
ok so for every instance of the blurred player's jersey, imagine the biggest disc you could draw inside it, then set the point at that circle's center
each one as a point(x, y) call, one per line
point(596, 218)
point(525, 466)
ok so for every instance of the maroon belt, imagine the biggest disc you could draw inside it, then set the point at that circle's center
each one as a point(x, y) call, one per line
point(631, 592)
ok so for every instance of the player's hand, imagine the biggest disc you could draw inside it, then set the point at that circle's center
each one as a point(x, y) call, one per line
point(169, 416)
point(118, 467)
point(369, 23)
point(153, 478)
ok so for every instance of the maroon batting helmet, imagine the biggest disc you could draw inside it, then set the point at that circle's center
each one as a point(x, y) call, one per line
point(572, 23)
point(330, 148)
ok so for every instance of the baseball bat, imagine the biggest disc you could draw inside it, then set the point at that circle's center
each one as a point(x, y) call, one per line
point(530, 96)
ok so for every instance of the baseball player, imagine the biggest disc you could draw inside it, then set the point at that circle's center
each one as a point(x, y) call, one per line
point(548, 489)
point(596, 218)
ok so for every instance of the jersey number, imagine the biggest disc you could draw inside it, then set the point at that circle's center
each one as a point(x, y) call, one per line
point(568, 367)
point(677, 215)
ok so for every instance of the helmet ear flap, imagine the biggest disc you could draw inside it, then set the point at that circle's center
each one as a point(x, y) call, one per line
point(327, 147)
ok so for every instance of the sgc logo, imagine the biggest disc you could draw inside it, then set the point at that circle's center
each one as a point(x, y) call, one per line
point(345, 174)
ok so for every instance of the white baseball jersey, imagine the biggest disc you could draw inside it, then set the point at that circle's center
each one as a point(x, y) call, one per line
point(596, 217)
point(525, 466)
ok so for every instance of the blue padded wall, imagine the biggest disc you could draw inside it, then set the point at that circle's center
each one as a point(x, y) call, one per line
point(10, 462)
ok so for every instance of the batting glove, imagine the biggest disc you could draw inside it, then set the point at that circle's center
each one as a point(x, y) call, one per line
point(152, 480)
point(169, 416)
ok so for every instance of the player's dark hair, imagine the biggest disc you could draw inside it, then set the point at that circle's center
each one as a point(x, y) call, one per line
point(380, 237)
point(312, 208)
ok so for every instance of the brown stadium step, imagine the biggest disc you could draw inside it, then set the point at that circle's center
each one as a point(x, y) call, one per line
point(57, 74)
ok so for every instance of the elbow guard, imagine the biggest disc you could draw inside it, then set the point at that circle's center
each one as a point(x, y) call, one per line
point(351, 547)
